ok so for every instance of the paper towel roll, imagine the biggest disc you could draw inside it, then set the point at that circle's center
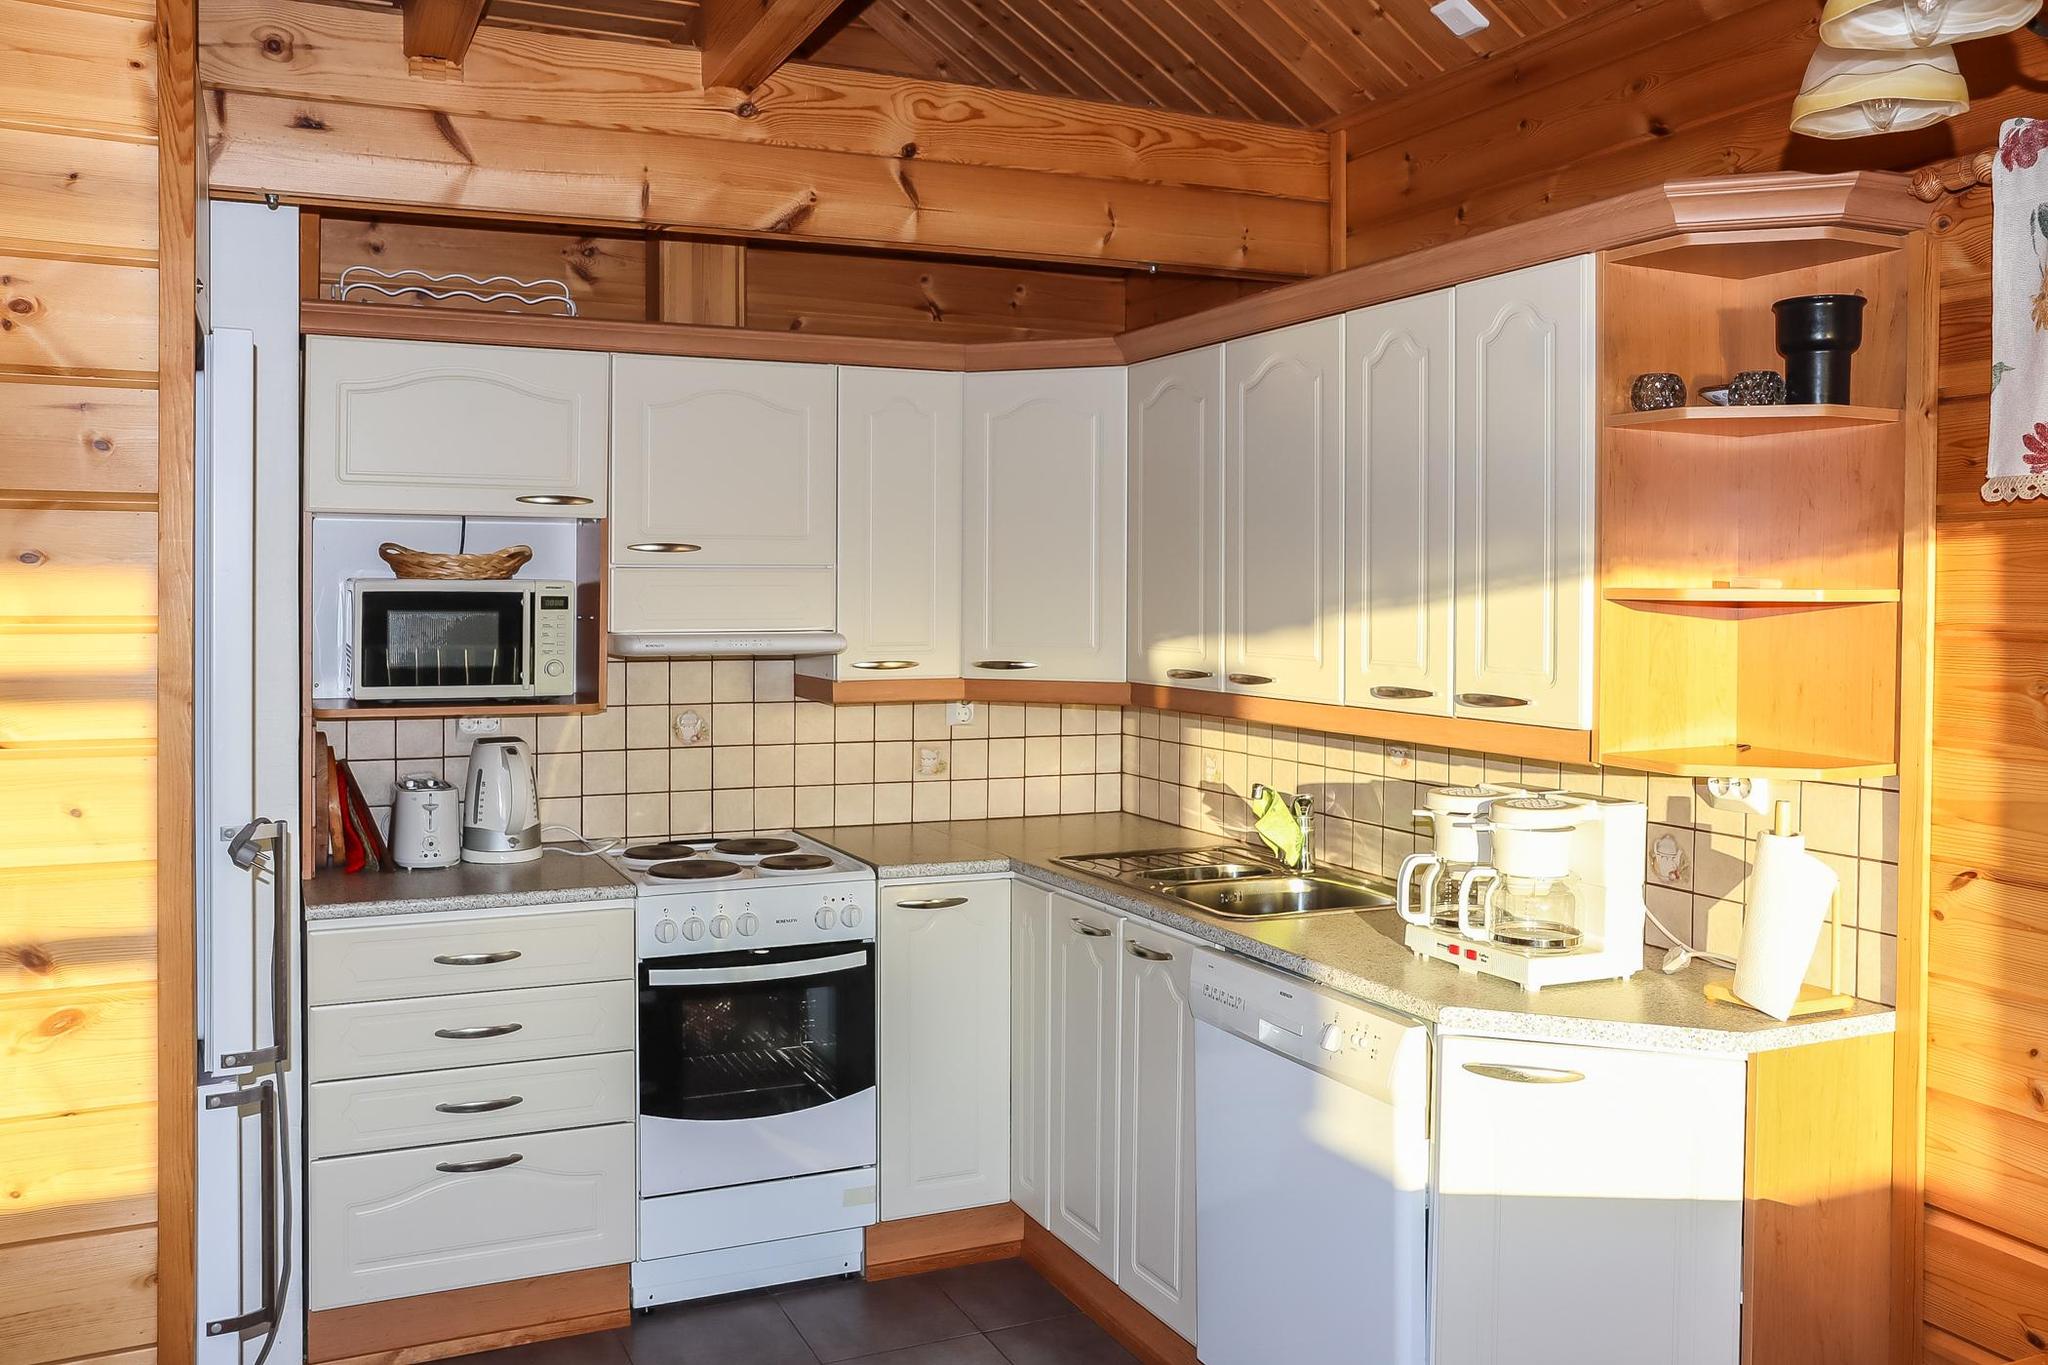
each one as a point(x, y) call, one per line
point(1791, 891)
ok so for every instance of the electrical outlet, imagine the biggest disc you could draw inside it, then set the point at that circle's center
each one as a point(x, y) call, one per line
point(962, 714)
point(1751, 794)
point(477, 725)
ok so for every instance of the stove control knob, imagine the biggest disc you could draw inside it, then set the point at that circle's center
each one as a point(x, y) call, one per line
point(850, 916)
point(1333, 1038)
point(825, 918)
point(665, 931)
point(720, 926)
point(748, 924)
point(693, 929)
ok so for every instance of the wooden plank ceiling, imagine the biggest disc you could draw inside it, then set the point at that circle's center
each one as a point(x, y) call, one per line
point(1304, 63)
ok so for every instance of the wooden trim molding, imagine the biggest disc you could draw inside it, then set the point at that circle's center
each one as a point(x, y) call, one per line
point(1136, 1330)
point(882, 688)
point(912, 1246)
point(1396, 727)
point(463, 1321)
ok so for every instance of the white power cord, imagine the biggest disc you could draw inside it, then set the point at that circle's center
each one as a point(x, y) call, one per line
point(1680, 954)
point(591, 848)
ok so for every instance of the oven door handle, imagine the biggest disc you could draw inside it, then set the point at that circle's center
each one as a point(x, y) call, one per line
point(766, 971)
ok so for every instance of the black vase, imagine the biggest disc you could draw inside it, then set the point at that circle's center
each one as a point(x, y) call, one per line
point(1817, 334)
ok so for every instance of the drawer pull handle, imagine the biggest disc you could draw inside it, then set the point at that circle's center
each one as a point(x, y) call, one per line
point(478, 1106)
point(1525, 1075)
point(1489, 699)
point(476, 959)
point(1250, 679)
point(665, 547)
point(885, 665)
point(1188, 674)
point(1088, 930)
point(932, 903)
point(1137, 949)
point(1402, 693)
point(1006, 665)
point(477, 1031)
point(489, 1163)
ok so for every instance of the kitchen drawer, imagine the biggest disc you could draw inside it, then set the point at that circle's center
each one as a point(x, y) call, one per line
point(391, 960)
point(396, 1224)
point(385, 1112)
point(392, 1036)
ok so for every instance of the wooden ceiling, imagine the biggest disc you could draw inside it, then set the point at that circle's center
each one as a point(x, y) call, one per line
point(1306, 63)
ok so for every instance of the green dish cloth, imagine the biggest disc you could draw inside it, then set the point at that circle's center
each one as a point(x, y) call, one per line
point(1277, 826)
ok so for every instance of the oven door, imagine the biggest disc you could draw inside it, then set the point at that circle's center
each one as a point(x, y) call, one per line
point(756, 1065)
point(441, 640)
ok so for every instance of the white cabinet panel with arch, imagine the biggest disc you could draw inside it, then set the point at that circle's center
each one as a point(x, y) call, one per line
point(1176, 578)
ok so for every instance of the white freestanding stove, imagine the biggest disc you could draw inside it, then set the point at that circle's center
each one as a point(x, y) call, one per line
point(757, 1063)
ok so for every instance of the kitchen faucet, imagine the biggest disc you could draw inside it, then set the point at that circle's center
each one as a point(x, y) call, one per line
point(1304, 808)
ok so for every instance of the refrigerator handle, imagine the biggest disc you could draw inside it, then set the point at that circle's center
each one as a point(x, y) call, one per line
point(244, 852)
point(264, 1316)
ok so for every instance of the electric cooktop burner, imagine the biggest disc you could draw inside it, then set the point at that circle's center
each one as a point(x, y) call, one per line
point(697, 870)
point(754, 848)
point(794, 862)
point(666, 851)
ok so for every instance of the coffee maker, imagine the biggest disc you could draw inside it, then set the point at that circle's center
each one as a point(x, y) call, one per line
point(1561, 899)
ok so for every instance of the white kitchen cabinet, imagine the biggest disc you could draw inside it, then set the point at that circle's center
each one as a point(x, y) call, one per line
point(943, 966)
point(1031, 1049)
point(1523, 475)
point(427, 1033)
point(1176, 569)
point(1397, 461)
point(1589, 1205)
point(1156, 1126)
point(425, 427)
point(377, 1113)
point(1283, 537)
point(1043, 531)
point(1087, 943)
point(899, 526)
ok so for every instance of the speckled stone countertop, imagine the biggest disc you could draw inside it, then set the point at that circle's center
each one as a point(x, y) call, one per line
point(556, 877)
point(1358, 955)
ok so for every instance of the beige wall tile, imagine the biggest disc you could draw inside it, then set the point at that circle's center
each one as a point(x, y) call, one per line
point(892, 760)
point(689, 812)
point(732, 680)
point(1880, 824)
point(1828, 817)
point(853, 724)
point(893, 721)
point(892, 803)
point(732, 811)
point(1005, 797)
point(647, 683)
point(689, 770)
point(689, 681)
point(970, 800)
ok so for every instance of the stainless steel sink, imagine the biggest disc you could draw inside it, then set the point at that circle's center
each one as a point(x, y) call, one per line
point(1236, 882)
point(1266, 897)
point(1207, 872)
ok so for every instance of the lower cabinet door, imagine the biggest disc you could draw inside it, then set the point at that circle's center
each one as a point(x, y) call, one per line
point(1030, 1049)
point(447, 1217)
point(1086, 948)
point(943, 964)
point(1156, 1127)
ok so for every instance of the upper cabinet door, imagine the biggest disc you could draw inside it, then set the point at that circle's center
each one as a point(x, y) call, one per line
point(1524, 480)
point(735, 457)
point(1397, 454)
point(1283, 531)
point(1176, 597)
point(899, 523)
point(1043, 538)
point(413, 426)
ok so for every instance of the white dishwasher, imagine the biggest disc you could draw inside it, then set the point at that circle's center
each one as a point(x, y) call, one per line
point(1311, 1173)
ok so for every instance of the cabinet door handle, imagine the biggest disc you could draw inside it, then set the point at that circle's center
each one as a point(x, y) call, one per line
point(1525, 1075)
point(1083, 927)
point(478, 1106)
point(885, 665)
point(1250, 679)
point(1402, 693)
point(489, 1163)
point(932, 903)
point(1137, 949)
point(1189, 674)
point(1489, 699)
point(553, 499)
point(478, 1031)
point(665, 547)
point(477, 959)
point(1006, 665)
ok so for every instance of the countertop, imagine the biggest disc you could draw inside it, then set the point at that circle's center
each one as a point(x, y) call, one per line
point(556, 877)
point(1361, 956)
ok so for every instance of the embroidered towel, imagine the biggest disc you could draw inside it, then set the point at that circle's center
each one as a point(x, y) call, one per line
point(2018, 463)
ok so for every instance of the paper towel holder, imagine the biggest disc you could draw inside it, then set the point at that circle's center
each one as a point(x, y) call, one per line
point(1812, 1000)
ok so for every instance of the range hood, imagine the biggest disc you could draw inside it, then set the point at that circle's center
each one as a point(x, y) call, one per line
point(714, 644)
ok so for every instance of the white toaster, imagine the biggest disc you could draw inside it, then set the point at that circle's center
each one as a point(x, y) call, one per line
point(426, 822)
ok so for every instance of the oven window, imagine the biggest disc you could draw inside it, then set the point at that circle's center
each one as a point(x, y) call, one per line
point(443, 639)
point(744, 1035)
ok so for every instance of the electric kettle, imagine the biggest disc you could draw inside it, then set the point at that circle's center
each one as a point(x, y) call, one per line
point(501, 809)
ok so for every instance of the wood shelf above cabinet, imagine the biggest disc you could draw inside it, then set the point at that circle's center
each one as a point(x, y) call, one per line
point(335, 708)
point(1743, 760)
point(1749, 597)
point(1749, 255)
point(1776, 420)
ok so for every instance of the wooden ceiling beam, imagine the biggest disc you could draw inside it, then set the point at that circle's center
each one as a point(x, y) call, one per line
point(745, 40)
point(438, 34)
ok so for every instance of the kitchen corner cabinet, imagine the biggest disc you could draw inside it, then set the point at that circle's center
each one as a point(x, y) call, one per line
point(1397, 458)
point(943, 964)
point(1283, 540)
point(1523, 471)
point(1087, 946)
point(1156, 1125)
point(1042, 571)
point(1176, 570)
point(495, 431)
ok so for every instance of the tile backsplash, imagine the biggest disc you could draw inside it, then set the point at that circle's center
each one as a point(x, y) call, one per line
point(1196, 771)
point(724, 746)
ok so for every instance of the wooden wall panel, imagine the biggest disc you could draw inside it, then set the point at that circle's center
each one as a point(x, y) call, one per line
point(607, 276)
point(77, 1296)
point(75, 317)
point(74, 1173)
point(847, 294)
point(1987, 1288)
point(77, 439)
point(72, 927)
point(97, 195)
point(65, 563)
point(77, 69)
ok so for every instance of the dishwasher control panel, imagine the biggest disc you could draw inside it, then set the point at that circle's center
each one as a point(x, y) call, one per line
point(1369, 1049)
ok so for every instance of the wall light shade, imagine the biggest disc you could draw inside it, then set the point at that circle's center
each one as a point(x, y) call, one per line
point(1902, 25)
point(1859, 94)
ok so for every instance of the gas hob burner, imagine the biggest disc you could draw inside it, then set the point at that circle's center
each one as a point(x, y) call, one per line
point(667, 851)
point(694, 870)
point(754, 848)
point(794, 862)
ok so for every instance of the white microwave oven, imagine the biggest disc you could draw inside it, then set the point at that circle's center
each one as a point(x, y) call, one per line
point(427, 639)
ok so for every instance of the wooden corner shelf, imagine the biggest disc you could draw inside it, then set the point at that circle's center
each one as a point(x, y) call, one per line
point(1752, 254)
point(1750, 597)
point(1712, 420)
point(1743, 760)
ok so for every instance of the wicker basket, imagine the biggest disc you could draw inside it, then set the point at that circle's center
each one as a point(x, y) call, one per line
point(423, 564)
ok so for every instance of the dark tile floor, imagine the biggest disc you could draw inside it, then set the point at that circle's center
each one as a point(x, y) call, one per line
point(1001, 1313)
